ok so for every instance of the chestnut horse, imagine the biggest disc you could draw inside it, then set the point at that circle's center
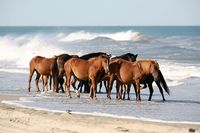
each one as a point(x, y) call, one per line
point(86, 70)
point(85, 82)
point(42, 66)
point(133, 72)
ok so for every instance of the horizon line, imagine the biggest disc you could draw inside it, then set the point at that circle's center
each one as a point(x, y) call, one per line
point(99, 25)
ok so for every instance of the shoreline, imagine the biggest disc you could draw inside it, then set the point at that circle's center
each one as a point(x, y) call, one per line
point(13, 118)
point(97, 114)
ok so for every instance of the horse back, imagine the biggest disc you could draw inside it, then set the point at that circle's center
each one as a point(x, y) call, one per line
point(78, 67)
point(147, 64)
point(41, 64)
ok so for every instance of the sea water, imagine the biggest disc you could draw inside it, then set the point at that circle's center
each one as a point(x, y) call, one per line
point(177, 50)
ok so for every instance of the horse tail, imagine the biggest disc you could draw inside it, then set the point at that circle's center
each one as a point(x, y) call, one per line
point(163, 83)
point(54, 70)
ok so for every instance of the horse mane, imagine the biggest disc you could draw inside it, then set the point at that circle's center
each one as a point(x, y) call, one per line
point(126, 56)
point(91, 55)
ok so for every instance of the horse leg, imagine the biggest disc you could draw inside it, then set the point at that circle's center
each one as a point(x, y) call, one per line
point(124, 91)
point(100, 86)
point(36, 82)
point(50, 81)
point(106, 87)
point(111, 80)
point(94, 86)
point(91, 92)
point(150, 90)
point(30, 78)
point(118, 91)
point(43, 78)
point(46, 83)
point(76, 90)
point(160, 88)
point(61, 81)
point(80, 85)
point(87, 87)
point(128, 91)
point(68, 78)
point(138, 90)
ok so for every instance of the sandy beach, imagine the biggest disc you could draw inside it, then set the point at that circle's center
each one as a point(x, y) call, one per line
point(22, 120)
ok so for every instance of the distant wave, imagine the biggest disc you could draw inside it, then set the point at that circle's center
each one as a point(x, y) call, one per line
point(83, 35)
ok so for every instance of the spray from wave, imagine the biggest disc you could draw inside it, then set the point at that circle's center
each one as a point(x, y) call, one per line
point(21, 49)
point(119, 36)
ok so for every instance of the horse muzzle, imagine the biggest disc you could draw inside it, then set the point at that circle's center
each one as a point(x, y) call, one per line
point(106, 70)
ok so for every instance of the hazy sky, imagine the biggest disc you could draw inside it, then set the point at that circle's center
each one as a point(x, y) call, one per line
point(99, 12)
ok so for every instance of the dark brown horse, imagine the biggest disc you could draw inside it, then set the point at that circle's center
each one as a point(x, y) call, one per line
point(133, 72)
point(58, 70)
point(42, 66)
point(86, 70)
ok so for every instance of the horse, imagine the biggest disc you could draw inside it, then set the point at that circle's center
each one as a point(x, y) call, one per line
point(133, 72)
point(85, 82)
point(58, 70)
point(42, 66)
point(129, 57)
point(86, 70)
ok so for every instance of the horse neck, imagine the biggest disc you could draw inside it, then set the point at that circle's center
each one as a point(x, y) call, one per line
point(97, 63)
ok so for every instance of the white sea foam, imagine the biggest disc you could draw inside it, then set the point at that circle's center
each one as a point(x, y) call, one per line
point(175, 73)
point(118, 36)
point(21, 49)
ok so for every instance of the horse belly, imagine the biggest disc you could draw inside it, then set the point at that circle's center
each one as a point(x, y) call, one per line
point(43, 69)
point(81, 74)
point(126, 77)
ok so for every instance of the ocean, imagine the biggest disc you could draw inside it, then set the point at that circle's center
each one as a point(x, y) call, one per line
point(177, 50)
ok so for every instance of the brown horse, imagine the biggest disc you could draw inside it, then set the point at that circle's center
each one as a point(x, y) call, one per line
point(133, 72)
point(86, 70)
point(42, 66)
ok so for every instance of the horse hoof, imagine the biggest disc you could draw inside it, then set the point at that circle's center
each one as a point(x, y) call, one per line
point(95, 98)
point(70, 97)
point(78, 96)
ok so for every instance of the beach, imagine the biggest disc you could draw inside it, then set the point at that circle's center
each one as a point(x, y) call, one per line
point(23, 120)
point(176, 49)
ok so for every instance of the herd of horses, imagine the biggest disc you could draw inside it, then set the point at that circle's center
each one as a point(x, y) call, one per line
point(94, 68)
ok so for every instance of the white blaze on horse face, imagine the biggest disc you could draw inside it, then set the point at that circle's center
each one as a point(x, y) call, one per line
point(106, 67)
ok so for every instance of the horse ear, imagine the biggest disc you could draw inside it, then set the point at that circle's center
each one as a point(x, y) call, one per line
point(109, 55)
point(136, 55)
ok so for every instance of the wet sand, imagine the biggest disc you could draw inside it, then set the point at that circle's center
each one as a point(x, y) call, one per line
point(22, 120)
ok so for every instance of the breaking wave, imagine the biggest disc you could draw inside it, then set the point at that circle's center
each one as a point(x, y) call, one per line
point(22, 48)
point(118, 36)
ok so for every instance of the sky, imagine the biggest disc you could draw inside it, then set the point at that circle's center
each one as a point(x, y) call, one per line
point(99, 12)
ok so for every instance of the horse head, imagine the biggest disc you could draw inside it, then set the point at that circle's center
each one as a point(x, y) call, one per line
point(131, 57)
point(105, 62)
